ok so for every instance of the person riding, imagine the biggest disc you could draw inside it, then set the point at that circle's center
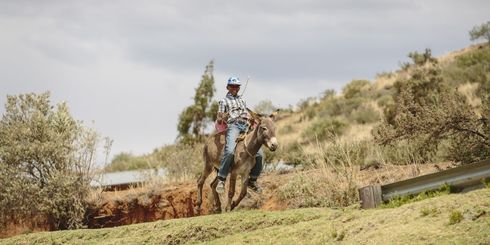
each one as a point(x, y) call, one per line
point(232, 111)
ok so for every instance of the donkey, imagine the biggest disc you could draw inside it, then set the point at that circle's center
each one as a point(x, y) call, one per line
point(244, 158)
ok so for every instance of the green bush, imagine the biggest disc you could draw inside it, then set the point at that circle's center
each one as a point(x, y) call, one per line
point(325, 129)
point(310, 112)
point(428, 112)
point(126, 161)
point(480, 32)
point(355, 88)
point(290, 154)
point(339, 106)
point(385, 101)
point(401, 200)
point(182, 161)
point(46, 158)
point(455, 217)
point(365, 114)
point(407, 152)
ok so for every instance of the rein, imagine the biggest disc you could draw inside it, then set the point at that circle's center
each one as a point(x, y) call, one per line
point(246, 145)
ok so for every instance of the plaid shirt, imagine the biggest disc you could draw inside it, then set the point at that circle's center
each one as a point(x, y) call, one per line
point(235, 106)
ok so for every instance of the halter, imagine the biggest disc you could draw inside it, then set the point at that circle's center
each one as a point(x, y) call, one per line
point(246, 147)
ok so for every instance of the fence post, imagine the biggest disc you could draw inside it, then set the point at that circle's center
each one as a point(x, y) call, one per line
point(371, 196)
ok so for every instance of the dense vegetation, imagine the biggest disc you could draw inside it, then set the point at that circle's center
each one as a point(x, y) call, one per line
point(46, 158)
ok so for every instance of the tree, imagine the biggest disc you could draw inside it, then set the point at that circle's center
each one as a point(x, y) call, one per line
point(481, 32)
point(194, 118)
point(419, 59)
point(265, 107)
point(46, 158)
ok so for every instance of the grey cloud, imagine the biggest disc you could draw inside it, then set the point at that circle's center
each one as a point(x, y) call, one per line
point(132, 66)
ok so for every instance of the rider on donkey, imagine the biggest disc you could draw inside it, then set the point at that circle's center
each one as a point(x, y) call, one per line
point(233, 111)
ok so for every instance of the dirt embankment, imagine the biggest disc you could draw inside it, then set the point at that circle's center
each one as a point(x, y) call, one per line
point(179, 201)
point(174, 201)
point(137, 205)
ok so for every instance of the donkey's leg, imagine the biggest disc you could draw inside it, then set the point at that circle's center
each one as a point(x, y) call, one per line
point(243, 192)
point(217, 202)
point(200, 183)
point(231, 190)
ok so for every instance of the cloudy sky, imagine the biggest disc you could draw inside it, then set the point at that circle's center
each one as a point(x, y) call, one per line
point(128, 68)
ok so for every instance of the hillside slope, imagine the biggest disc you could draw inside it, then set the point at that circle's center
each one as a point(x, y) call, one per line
point(454, 218)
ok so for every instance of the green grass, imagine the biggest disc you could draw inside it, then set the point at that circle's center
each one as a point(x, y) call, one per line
point(399, 201)
point(401, 225)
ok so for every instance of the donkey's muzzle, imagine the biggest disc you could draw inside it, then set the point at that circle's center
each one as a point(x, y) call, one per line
point(272, 144)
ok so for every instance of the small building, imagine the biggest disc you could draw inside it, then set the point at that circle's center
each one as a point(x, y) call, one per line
point(125, 179)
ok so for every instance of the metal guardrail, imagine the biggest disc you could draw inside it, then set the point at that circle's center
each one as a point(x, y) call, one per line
point(462, 178)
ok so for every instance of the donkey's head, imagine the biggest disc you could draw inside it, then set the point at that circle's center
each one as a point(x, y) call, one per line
point(266, 129)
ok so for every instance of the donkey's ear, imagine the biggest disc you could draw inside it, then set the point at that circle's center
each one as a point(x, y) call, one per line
point(253, 114)
point(274, 115)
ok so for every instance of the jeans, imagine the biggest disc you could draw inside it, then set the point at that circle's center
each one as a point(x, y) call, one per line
point(232, 133)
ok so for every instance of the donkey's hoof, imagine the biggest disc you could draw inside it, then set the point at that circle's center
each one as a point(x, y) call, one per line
point(233, 206)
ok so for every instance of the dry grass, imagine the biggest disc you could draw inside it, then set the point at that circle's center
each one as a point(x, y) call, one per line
point(385, 82)
point(469, 91)
point(357, 132)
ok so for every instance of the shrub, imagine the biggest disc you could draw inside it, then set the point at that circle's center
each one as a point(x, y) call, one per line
point(425, 211)
point(365, 114)
point(407, 152)
point(305, 103)
point(339, 106)
point(265, 107)
point(427, 111)
point(481, 32)
point(181, 161)
point(126, 161)
point(310, 112)
point(318, 191)
point(355, 88)
point(331, 182)
point(455, 217)
point(325, 129)
point(339, 154)
point(46, 158)
point(385, 101)
point(290, 154)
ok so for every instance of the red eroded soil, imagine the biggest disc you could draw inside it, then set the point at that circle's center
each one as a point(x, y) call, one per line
point(174, 201)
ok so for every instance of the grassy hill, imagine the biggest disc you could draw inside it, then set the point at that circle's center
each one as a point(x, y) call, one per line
point(447, 219)
point(324, 121)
